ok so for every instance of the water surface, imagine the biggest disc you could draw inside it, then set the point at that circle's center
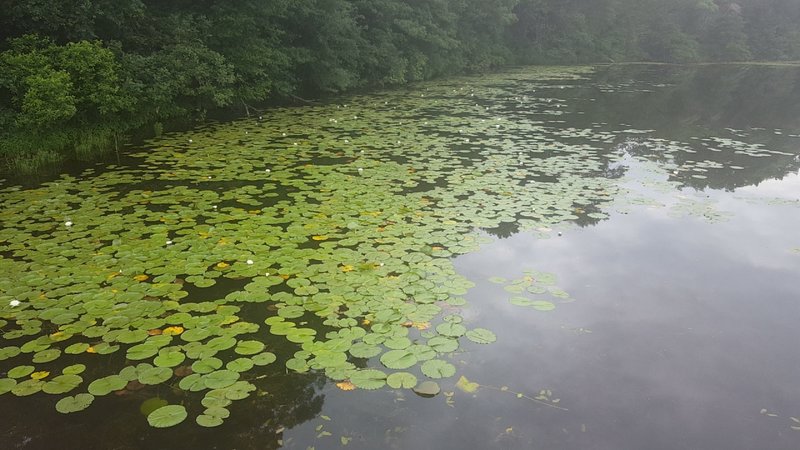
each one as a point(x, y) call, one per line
point(627, 233)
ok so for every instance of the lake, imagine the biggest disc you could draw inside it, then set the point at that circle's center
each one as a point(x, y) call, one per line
point(549, 257)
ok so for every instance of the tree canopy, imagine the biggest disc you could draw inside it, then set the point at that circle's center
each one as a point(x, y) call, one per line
point(74, 75)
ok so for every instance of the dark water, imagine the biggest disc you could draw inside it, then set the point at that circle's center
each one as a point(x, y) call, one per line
point(683, 333)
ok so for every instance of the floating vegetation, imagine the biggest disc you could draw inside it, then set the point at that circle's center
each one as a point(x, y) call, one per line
point(319, 239)
point(535, 283)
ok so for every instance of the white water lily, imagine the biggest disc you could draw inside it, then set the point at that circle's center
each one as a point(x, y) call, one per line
point(169, 242)
point(250, 262)
point(190, 141)
point(360, 170)
point(267, 171)
point(14, 303)
point(68, 223)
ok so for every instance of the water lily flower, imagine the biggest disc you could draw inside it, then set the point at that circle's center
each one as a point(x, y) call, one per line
point(68, 223)
point(169, 242)
point(250, 262)
point(14, 303)
point(360, 170)
point(267, 170)
point(190, 141)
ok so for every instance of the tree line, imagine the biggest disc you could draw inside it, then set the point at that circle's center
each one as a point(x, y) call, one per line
point(76, 76)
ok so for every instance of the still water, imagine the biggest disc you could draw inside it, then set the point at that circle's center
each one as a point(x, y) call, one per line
point(580, 258)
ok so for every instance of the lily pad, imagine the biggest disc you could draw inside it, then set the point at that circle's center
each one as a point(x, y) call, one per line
point(263, 359)
point(6, 384)
point(401, 380)
point(249, 347)
point(481, 336)
point(169, 359)
point(427, 389)
point(167, 416)
point(77, 403)
point(437, 368)
point(368, 379)
point(21, 371)
point(62, 384)
point(398, 359)
point(207, 421)
point(155, 375)
point(451, 329)
point(220, 379)
point(106, 385)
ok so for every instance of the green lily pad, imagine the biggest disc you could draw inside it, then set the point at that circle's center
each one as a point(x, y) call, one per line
point(62, 384)
point(220, 379)
point(398, 359)
point(362, 350)
point(45, 356)
point(167, 416)
point(106, 385)
point(141, 351)
point(481, 336)
point(155, 375)
point(217, 411)
point(543, 305)
point(76, 349)
point(77, 403)
point(437, 368)
point(263, 359)
point(27, 387)
point(6, 384)
point(211, 402)
point(240, 365)
point(21, 371)
point(368, 379)
point(401, 380)
point(195, 334)
point(222, 343)
point(207, 421)
point(442, 344)
point(9, 352)
point(207, 365)
point(169, 359)
point(75, 369)
point(451, 329)
point(249, 347)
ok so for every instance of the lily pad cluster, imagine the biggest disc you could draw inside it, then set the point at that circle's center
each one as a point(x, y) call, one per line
point(318, 238)
point(536, 290)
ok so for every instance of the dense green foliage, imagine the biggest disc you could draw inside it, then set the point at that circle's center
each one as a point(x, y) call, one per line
point(75, 76)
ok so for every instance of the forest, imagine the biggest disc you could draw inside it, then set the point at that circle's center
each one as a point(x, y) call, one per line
point(78, 77)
